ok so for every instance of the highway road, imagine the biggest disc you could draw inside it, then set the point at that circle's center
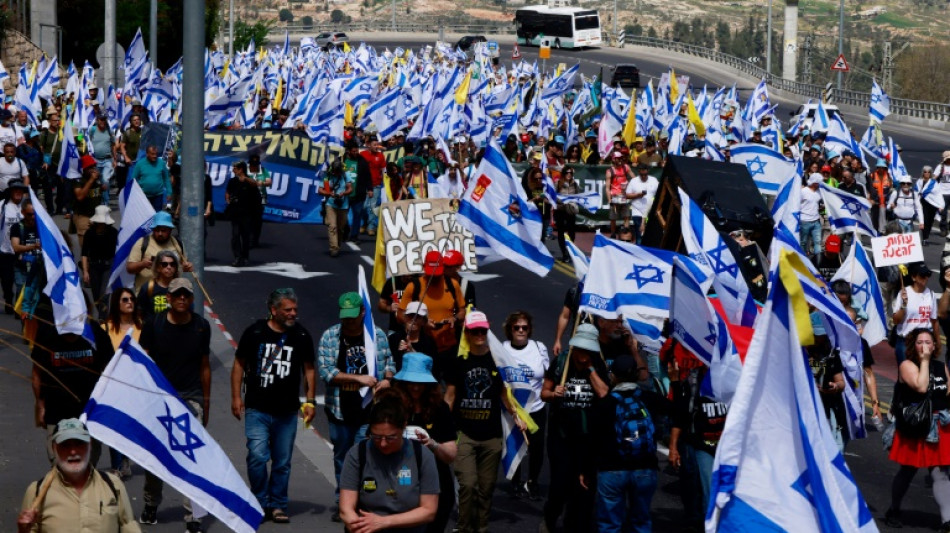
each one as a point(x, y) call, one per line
point(289, 252)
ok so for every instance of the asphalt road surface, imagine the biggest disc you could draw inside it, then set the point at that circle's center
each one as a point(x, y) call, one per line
point(296, 256)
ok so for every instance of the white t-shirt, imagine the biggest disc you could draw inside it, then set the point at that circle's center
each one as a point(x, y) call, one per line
point(8, 134)
point(533, 362)
point(810, 199)
point(11, 216)
point(640, 207)
point(921, 309)
point(942, 175)
point(10, 171)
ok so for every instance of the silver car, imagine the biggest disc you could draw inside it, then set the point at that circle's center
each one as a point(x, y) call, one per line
point(331, 38)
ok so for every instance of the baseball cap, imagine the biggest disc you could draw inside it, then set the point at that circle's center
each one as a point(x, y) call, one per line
point(87, 161)
point(919, 269)
point(162, 219)
point(476, 319)
point(946, 155)
point(624, 368)
point(350, 305)
point(433, 265)
point(815, 179)
point(181, 284)
point(452, 258)
point(826, 168)
point(417, 308)
point(833, 244)
point(70, 429)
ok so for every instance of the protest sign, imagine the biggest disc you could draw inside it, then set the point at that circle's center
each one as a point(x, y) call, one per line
point(412, 228)
point(896, 249)
point(290, 157)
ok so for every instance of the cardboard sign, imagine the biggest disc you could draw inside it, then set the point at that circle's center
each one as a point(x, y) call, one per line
point(897, 249)
point(412, 228)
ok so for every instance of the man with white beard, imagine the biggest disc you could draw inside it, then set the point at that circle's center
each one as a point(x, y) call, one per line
point(75, 491)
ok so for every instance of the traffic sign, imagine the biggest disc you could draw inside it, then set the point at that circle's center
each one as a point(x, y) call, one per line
point(840, 64)
point(493, 46)
point(516, 54)
point(544, 52)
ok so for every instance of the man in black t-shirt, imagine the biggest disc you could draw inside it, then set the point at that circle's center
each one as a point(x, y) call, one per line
point(269, 360)
point(179, 341)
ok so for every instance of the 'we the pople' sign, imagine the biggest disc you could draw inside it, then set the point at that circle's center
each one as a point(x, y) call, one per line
point(896, 249)
point(412, 228)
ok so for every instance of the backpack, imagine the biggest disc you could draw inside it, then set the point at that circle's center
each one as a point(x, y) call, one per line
point(452, 286)
point(148, 238)
point(634, 427)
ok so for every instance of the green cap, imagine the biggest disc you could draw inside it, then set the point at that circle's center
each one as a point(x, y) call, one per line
point(350, 305)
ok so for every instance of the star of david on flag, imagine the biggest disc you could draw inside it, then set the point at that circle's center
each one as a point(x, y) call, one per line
point(645, 274)
point(847, 212)
point(756, 166)
point(768, 167)
point(159, 432)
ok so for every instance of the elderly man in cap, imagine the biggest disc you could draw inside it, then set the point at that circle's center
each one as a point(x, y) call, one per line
point(179, 341)
point(144, 250)
point(102, 146)
point(342, 365)
point(76, 489)
point(811, 217)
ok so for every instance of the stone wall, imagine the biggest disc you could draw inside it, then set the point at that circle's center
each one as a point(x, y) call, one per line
point(16, 50)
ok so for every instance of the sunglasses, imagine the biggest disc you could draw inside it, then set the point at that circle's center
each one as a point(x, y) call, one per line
point(164, 264)
point(181, 294)
point(478, 331)
point(519, 328)
point(126, 299)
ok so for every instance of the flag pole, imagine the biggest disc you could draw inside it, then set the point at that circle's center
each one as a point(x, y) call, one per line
point(202, 287)
point(44, 488)
point(570, 349)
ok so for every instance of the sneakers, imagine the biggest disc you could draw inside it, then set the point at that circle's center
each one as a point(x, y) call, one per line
point(532, 490)
point(518, 491)
point(893, 519)
point(193, 527)
point(149, 515)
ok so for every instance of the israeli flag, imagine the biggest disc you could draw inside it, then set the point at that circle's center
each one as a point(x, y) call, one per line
point(777, 467)
point(880, 103)
point(62, 277)
point(865, 292)
point(821, 121)
point(578, 259)
point(158, 431)
point(496, 209)
point(511, 369)
point(706, 246)
point(787, 209)
point(767, 166)
point(561, 84)
point(896, 164)
point(847, 212)
point(930, 194)
point(588, 200)
point(369, 336)
point(69, 156)
point(135, 223)
point(634, 282)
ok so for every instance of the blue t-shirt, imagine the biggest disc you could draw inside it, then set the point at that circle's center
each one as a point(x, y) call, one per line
point(338, 186)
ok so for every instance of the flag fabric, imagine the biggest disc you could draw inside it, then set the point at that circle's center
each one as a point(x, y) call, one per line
point(496, 209)
point(62, 277)
point(777, 467)
point(631, 281)
point(701, 330)
point(69, 157)
point(159, 432)
point(880, 103)
point(520, 392)
point(930, 193)
point(866, 293)
point(768, 168)
point(786, 211)
point(707, 247)
point(135, 222)
point(369, 335)
point(561, 84)
point(847, 212)
point(578, 258)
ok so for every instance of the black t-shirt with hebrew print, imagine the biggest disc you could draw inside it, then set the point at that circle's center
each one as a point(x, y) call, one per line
point(273, 362)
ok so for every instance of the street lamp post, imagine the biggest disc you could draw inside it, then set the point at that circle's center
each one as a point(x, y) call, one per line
point(768, 43)
point(840, 37)
point(192, 138)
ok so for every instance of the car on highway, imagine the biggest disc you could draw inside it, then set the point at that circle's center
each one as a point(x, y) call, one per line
point(806, 113)
point(625, 75)
point(331, 38)
point(467, 41)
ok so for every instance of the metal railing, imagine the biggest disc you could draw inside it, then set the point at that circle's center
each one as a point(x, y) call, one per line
point(412, 25)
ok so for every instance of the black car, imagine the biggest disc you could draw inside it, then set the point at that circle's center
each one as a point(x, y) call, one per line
point(626, 75)
point(466, 42)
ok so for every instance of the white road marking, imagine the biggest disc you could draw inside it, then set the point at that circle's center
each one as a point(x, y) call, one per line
point(352, 246)
point(369, 260)
point(288, 270)
point(475, 277)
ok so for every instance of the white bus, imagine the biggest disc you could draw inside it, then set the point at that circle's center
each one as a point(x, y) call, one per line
point(561, 27)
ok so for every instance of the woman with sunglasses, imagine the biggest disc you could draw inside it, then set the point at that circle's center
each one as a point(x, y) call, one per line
point(533, 355)
point(153, 296)
point(122, 319)
point(388, 482)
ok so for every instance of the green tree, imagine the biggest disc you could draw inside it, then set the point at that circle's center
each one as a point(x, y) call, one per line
point(723, 36)
point(244, 32)
point(337, 16)
point(285, 15)
point(652, 33)
point(307, 22)
point(634, 29)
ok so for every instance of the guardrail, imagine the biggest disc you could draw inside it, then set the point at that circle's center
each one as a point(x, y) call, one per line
point(415, 25)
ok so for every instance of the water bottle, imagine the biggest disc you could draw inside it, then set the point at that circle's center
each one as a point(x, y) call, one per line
point(877, 423)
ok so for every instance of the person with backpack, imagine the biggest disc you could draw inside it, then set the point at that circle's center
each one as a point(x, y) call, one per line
point(570, 387)
point(145, 250)
point(389, 482)
point(905, 204)
point(75, 488)
point(623, 458)
point(153, 296)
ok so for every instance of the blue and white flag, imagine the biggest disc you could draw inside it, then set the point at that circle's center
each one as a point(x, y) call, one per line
point(517, 378)
point(634, 282)
point(701, 330)
point(561, 84)
point(369, 336)
point(930, 193)
point(69, 156)
point(787, 209)
point(158, 432)
point(707, 247)
point(578, 259)
point(880, 103)
point(777, 467)
point(822, 121)
point(768, 167)
point(496, 209)
point(866, 293)
point(62, 277)
point(847, 212)
point(135, 223)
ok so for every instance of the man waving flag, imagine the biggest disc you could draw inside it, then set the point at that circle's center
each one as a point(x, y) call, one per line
point(496, 209)
point(369, 336)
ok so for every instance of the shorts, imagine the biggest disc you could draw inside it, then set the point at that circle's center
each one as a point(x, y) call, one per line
point(619, 211)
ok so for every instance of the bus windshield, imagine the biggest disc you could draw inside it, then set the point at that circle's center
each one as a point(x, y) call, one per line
point(586, 20)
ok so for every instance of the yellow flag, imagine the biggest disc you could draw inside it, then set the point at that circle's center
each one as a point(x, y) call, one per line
point(280, 93)
point(630, 125)
point(789, 265)
point(694, 117)
point(347, 114)
point(346, 48)
point(224, 71)
point(379, 260)
point(461, 94)
point(674, 88)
